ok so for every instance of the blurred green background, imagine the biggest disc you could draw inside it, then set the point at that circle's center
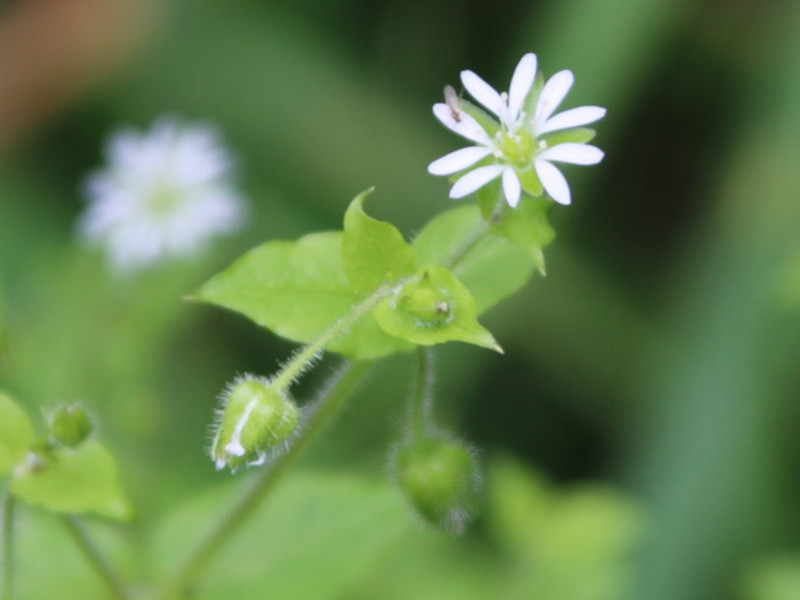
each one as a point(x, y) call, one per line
point(658, 359)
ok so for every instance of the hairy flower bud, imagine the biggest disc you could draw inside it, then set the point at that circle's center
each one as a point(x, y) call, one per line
point(71, 425)
point(254, 418)
point(440, 479)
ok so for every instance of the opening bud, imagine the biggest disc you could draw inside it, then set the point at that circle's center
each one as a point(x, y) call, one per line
point(440, 478)
point(71, 425)
point(254, 418)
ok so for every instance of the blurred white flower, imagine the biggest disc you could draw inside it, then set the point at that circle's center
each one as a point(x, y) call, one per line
point(163, 194)
point(520, 148)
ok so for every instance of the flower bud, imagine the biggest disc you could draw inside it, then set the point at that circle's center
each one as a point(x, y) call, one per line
point(254, 419)
point(428, 304)
point(440, 479)
point(71, 425)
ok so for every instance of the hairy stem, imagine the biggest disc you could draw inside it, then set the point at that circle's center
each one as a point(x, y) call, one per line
point(8, 545)
point(92, 553)
point(421, 401)
point(300, 361)
point(329, 402)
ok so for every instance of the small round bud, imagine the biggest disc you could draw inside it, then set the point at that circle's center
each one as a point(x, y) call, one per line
point(440, 479)
point(71, 425)
point(429, 305)
point(254, 419)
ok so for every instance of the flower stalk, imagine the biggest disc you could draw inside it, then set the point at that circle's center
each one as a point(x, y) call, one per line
point(328, 404)
point(7, 526)
point(421, 401)
point(110, 578)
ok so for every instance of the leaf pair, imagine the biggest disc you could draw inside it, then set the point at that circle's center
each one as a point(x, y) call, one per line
point(299, 289)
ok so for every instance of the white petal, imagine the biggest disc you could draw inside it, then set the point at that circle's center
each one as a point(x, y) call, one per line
point(553, 181)
point(475, 180)
point(467, 127)
point(553, 94)
point(521, 84)
point(511, 187)
point(576, 117)
point(575, 154)
point(483, 93)
point(458, 160)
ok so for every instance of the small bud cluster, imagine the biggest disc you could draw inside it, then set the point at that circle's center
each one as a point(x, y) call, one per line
point(254, 419)
point(440, 479)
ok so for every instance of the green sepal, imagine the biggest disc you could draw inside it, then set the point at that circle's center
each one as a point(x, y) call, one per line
point(484, 119)
point(527, 225)
point(16, 434)
point(577, 135)
point(373, 252)
point(492, 270)
point(298, 289)
point(533, 95)
point(433, 307)
point(80, 480)
point(530, 181)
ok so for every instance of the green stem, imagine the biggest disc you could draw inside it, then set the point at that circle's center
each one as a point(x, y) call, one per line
point(8, 545)
point(92, 553)
point(301, 361)
point(421, 401)
point(328, 404)
point(477, 235)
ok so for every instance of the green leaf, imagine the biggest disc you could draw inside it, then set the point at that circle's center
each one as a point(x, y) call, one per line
point(16, 434)
point(575, 543)
point(492, 271)
point(83, 480)
point(334, 526)
point(298, 289)
point(527, 225)
point(373, 252)
point(433, 308)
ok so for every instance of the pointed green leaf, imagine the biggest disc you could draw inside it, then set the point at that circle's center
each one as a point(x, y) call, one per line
point(16, 434)
point(493, 270)
point(432, 308)
point(298, 289)
point(81, 480)
point(373, 252)
point(527, 225)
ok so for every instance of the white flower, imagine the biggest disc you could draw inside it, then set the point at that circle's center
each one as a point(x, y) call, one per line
point(164, 193)
point(518, 146)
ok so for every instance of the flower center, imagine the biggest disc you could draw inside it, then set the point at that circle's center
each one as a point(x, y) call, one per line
point(163, 200)
point(518, 147)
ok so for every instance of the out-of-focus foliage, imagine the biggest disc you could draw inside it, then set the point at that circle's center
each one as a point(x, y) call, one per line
point(16, 434)
point(773, 578)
